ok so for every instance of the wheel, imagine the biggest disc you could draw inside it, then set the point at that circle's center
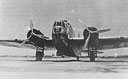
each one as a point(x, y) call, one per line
point(77, 58)
point(96, 54)
point(62, 56)
point(88, 54)
point(92, 56)
point(39, 54)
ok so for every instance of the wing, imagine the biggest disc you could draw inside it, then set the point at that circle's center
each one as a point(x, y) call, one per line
point(48, 45)
point(111, 43)
point(104, 43)
point(16, 43)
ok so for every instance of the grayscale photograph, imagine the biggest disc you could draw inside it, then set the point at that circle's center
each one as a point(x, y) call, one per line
point(63, 39)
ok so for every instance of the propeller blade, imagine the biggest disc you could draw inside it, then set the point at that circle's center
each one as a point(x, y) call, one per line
point(101, 31)
point(104, 30)
point(86, 42)
point(40, 36)
point(83, 25)
point(25, 41)
point(98, 31)
point(31, 26)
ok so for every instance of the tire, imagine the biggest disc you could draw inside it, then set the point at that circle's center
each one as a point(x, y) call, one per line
point(39, 55)
point(92, 57)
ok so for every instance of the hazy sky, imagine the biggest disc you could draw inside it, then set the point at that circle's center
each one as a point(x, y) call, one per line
point(15, 16)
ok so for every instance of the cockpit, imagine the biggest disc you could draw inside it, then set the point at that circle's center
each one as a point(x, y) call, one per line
point(59, 29)
point(59, 23)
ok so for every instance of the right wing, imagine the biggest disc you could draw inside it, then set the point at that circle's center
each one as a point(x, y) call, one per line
point(16, 43)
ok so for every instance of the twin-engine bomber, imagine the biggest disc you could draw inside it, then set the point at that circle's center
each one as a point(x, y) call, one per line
point(64, 41)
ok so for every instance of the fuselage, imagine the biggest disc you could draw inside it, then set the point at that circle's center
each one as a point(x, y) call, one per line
point(61, 33)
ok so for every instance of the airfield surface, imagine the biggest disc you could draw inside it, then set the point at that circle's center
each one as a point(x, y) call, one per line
point(18, 63)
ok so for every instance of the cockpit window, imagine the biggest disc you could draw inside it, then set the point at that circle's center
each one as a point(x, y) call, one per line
point(58, 24)
point(57, 30)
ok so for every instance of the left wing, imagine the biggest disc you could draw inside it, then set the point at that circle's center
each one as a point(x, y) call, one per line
point(112, 43)
point(103, 44)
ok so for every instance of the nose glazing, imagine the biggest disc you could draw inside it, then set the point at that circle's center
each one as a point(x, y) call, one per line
point(58, 29)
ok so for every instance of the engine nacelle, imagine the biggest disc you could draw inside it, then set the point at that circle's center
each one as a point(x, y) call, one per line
point(34, 39)
point(93, 37)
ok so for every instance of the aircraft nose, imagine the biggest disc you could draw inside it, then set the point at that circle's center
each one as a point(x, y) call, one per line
point(58, 29)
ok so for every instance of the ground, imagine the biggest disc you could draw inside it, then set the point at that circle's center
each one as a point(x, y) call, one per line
point(19, 63)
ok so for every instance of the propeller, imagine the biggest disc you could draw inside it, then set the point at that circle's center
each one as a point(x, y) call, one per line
point(31, 28)
point(98, 31)
point(25, 41)
point(87, 40)
point(83, 25)
point(101, 31)
point(90, 32)
point(32, 33)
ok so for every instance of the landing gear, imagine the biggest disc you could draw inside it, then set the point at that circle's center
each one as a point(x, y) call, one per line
point(39, 54)
point(92, 53)
point(92, 56)
point(77, 58)
point(62, 56)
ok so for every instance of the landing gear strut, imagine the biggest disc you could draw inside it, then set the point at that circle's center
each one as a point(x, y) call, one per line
point(39, 53)
point(92, 56)
point(77, 58)
point(92, 53)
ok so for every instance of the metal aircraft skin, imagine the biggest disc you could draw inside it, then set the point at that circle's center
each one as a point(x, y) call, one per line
point(64, 41)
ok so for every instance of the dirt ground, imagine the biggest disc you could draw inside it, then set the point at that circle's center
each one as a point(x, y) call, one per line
point(18, 63)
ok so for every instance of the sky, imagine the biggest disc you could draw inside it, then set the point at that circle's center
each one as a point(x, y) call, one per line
point(16, 14)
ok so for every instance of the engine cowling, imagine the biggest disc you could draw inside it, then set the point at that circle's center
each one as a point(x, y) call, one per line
point(34, 39)
point(93, 36)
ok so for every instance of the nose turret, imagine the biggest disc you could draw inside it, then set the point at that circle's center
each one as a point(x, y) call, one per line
point(58, 27)
point(58, 31)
